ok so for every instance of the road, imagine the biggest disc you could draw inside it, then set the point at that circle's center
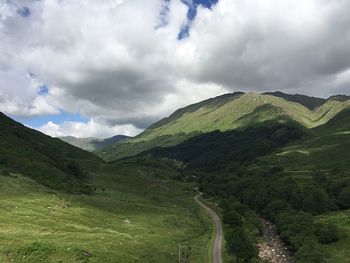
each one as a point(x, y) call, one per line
point(218, 229)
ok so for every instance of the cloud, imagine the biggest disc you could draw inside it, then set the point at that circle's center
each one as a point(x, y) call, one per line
point(86, 130)
point(121, 63)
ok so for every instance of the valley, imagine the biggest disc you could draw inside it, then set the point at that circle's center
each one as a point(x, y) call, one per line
point(136, 214)
point(276, 156)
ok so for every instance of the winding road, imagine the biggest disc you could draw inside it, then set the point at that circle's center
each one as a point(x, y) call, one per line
point(218, 229)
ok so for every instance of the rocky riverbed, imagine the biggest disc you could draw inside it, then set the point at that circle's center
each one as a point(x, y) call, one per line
point(271, 247)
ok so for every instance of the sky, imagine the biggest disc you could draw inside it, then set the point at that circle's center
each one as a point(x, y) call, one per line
point(100, 68)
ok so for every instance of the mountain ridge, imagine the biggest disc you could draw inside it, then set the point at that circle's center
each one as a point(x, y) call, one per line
point(91, 143)
point(228, 112)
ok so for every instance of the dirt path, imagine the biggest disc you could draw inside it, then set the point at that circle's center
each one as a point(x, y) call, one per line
point(218, 229)
point(272, 248)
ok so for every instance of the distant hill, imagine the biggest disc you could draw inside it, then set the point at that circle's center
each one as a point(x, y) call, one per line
point(309, 102)
point(91, 144)
point(47, 160)
point(229, 112)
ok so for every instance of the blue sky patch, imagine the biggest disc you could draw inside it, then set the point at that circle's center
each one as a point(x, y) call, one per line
point(43, 90)
point(24, 11)
point(192, 13)
point(163, 15)
point(63, 116)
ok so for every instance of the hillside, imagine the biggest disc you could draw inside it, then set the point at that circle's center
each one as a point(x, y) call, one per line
point(297, 178)
point(92, 144)
point(46, 160)
point(228, 112)
point(56, 199)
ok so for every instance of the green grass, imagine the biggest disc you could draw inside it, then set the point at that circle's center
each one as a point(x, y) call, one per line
point(137, 214)
point(339, 250)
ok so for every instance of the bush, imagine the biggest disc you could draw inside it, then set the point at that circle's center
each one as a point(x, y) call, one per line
point(311, 252)
point(38, 252)
point(295, 228)
point(344, 198)
point(326, 233)
point(316, 201)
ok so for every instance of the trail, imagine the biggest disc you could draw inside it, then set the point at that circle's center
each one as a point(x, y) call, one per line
point(218, 229)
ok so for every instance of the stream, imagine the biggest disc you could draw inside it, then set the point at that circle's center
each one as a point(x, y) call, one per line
point(271, 247)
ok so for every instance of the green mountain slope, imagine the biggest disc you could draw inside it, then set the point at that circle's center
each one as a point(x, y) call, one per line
point(228, 112)
point(49, 161)
point(297, 178)
point(92, 144)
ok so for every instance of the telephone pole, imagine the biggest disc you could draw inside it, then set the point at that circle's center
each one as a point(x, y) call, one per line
point(183, 253)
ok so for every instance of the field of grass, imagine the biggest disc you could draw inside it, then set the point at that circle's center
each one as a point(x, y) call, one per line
point(340, 249)
point(138, 213)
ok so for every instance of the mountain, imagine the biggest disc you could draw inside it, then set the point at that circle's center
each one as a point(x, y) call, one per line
point(229, 112)
point(91, 144)
point(47, 160)
point(292, 175)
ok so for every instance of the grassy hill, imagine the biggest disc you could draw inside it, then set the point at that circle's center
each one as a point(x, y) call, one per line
point(92, 144)
point(46, 160)
point(228, 112)
point(59, 203)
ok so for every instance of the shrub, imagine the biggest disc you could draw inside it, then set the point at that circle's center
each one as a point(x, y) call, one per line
point(38, 252)
point(316, 201)
point(344, 198)
point(326, 233)
point(311, 252)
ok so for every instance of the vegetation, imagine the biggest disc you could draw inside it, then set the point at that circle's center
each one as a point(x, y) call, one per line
point(137, 213)
point(261, 169)
point(46, 160)
point(284, 158)
point(61, 204)
point(225, 113)
point(92, 144)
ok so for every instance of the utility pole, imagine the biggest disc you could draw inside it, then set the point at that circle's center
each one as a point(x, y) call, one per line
point(183, 253)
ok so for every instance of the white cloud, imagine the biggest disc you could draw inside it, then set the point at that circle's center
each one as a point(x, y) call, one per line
point(89, 129)
point(108, 60)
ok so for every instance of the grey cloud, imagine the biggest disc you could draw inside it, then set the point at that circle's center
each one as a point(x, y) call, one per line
point(272, 56)
point(118, 69)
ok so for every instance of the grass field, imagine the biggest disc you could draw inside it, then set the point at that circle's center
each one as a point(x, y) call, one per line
point(340, 249)
point(137, 214)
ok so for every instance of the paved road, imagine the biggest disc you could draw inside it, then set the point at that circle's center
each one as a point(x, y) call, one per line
point(218, 229)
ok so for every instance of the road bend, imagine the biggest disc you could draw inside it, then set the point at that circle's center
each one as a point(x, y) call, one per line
point(218, 229)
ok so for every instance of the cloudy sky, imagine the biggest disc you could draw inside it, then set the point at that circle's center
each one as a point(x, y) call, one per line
point(100, 68)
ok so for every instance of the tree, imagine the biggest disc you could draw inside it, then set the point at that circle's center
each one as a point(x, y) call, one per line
point(276, 207)
point(311, 252)
point(239, 244)
point(232, 218)
point(316, 201)
point(326, 233)
point(344, 198)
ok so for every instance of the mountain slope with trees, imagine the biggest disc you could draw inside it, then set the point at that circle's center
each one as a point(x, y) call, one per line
point(229, 112)
point(47, 160)
point(92, 144)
